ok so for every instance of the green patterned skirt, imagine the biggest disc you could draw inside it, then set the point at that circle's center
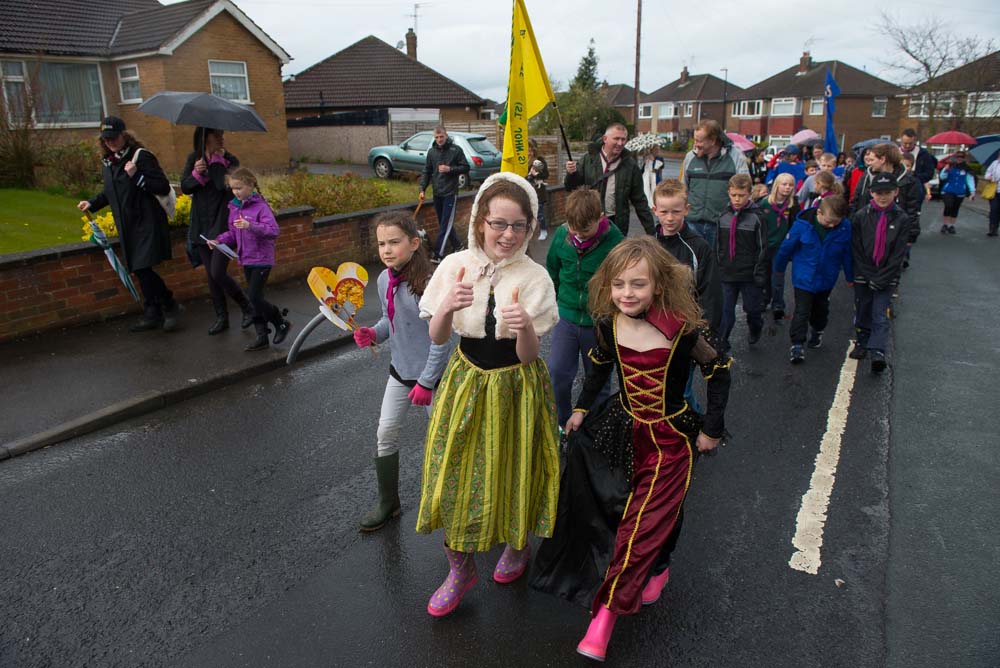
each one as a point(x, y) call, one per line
point(491, 464)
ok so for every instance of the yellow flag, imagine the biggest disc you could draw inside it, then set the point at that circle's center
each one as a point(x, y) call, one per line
point(528, 92)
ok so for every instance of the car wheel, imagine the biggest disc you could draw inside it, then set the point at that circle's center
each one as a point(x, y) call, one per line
point(383, 168)
point(463, 181)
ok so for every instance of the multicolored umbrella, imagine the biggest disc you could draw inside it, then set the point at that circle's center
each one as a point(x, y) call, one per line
point(99, 239)
point(644, 141)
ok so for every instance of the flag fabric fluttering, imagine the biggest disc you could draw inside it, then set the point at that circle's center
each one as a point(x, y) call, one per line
point(528, 92)
point(830, 91)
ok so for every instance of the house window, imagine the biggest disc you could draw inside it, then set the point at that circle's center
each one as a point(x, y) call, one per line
point(878, 106)
point(645, 111)
point(229, 79)
point(128, 83)
point(984, 105)
point(816, 106)
point(68, 93)
point(946, 105)
point(779, 140)
point(918, 106)
point(688, 109)
point(748, 108)
point(12, 73)
point(786, 106)
point(667, 110)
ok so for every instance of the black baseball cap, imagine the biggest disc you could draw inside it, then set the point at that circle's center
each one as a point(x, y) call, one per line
point(884, 181)
point(111, 127)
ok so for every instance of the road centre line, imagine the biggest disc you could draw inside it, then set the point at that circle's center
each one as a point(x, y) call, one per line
point(809, 523)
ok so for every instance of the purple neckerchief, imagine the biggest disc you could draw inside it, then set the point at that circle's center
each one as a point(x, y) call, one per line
point(583, 246)
point(781, 210)
point(216, 159)
point(819, 199)
point(732, 229)
point(390, 294)
point(881, 231)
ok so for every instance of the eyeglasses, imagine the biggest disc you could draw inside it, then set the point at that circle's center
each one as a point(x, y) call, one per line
point(502, 226)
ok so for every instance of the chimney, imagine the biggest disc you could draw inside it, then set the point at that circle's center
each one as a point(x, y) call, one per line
point(684, 75)
point(805, 62)
point(411, 44)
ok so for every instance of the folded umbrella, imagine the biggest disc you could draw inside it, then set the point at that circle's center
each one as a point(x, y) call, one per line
point(99, 239)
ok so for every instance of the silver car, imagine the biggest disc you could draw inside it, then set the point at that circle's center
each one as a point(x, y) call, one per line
point(411, 155)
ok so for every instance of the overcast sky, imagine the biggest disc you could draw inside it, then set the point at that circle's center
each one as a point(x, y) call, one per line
point(469, 40)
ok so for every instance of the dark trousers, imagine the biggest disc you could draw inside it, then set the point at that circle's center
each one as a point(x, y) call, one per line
point(811, 309)
point(753, 306)
point(155, 293)
point(263, 310)
point(220, 283)
point(445, 208)
point(570, 345)
point(871, 318)
point(995, 213)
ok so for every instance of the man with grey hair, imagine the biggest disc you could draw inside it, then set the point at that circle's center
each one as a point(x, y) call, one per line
point(610, 169)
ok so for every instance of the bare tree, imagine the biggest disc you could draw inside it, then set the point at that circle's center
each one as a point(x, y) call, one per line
point(925, 55)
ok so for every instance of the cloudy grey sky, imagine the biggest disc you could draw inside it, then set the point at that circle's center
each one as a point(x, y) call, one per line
point(469, 40)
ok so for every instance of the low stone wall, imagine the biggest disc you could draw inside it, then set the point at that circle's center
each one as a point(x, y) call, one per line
point(73, 285)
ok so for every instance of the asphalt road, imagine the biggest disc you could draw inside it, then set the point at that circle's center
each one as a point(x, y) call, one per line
point(222, 531)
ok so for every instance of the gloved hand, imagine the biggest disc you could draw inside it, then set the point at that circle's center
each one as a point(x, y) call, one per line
point(364, 336)
point(420, 395)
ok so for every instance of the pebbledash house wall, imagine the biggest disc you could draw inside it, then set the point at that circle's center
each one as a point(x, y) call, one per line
point(222, 38)
point(74, 285)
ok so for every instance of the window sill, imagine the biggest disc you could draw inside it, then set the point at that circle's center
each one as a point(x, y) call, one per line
point(137, 101)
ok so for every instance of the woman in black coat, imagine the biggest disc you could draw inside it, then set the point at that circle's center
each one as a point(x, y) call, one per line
point(132, 180)
point(204, 179)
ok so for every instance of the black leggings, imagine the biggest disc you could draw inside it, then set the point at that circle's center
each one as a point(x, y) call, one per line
point(811, 309)
point(952, 203)
point(154, 291)
point(220, 283)
point(263, 310)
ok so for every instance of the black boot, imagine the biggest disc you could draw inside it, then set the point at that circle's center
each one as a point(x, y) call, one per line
point(387, 471)
point(247, 309)
point(260, 343)
point(171, 309)
point(152, 318)
point(281, 327)
point(221, 320)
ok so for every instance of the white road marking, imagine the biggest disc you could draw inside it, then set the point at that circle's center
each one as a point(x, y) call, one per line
point(809, 523)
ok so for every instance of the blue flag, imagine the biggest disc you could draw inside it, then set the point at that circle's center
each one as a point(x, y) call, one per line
point(830, 92)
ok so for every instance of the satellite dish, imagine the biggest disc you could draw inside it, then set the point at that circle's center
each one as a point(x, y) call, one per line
point(399, 44)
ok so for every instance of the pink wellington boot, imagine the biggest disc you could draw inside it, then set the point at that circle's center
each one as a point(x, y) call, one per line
point(595, 644)
point(512, 564)
point(651, 592)
point(461, 576)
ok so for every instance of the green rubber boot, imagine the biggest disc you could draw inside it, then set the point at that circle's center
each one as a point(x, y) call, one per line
point(387, 470)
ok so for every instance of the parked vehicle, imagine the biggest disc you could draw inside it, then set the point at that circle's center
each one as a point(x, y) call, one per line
point(411, 155)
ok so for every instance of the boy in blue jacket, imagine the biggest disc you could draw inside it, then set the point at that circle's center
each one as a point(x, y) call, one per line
point(819, 246)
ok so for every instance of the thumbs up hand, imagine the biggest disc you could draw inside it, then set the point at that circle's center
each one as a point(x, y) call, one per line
point(460, 295)
point(515, 316)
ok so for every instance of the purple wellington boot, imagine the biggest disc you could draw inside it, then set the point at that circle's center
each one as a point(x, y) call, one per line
point(595, 644)
point(512, 564)
point(461, 576)
point(651, 592)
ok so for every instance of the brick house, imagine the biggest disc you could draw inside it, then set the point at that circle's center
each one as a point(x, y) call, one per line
point(774, 109)
point(966, 98)
point(622, 98)
point(673, 110)
point(85, 60)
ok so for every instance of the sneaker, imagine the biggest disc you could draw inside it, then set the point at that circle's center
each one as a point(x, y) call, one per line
point(797, 354)
point(779, 315)
point(170, 317)
point(991, 234)
point(146, 324)
point(858, 352)
point(816, 340)
point(543, 235)
point(906, 264)
point(878, 361)
point(944, 229)
point(952, 230)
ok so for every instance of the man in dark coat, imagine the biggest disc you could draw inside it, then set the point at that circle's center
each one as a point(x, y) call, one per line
point(924, 162)
point(445, 163)
point(610, 169)
point(132, 180)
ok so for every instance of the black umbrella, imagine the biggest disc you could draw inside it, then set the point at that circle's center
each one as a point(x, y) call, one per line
point(205, 110)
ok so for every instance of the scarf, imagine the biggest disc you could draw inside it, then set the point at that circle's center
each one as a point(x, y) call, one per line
point(583, 246)
point(390, 306)
point(781, 210)
point(881, 231)
point(732, 230)
point(609, 177)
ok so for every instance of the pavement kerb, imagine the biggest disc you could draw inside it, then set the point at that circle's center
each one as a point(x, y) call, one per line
point(152, 401)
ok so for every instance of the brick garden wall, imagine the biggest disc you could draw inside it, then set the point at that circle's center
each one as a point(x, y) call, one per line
point(73, 285)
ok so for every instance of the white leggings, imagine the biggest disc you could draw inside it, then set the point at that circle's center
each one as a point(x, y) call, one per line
point(395, 404)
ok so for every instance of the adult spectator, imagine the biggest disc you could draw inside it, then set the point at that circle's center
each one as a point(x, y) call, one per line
point(204, 179)
point(445, 163)
point(706, 172)
point(611, 169)
point(993, 175)
point(538, 173)
point(924, 162)
point(132, 181)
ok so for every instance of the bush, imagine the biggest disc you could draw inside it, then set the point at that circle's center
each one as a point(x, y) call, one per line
point(71, 169)
point(106, 221)
point(329, 194)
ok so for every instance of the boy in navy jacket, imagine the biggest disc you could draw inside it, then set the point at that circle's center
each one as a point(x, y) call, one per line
point(819, 246)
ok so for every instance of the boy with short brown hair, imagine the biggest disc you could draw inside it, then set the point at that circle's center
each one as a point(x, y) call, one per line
point(741, 249)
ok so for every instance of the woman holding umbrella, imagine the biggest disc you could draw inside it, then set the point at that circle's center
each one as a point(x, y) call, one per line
point(204, 179)
point(132, 181)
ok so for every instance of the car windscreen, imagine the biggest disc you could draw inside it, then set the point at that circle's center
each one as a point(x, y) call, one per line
point(482, 146)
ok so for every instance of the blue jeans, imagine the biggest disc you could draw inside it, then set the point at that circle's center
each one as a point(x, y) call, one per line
point(871, 320)
point(753, 306)
point(445, 208)
point(777, 292)
point(569, 343)
point(689, 397)
point(707, 230)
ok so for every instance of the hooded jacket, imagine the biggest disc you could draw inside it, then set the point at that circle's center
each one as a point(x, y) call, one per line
point(864, 224)
point(816, 262)
point(536, 294)
point(690, 248)
point(751, 260)
point(570, 270)
point(628, 186)
point(445, 185)
point(255, 243)
point(707, 181)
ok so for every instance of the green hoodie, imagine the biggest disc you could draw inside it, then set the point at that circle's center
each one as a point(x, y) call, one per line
point(570, 271)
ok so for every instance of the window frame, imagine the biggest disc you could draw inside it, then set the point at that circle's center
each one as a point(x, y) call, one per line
point(796, 103)
point(885, 106)
point(246, 78)
point(136, 79)
point(688, 109)
point(741, 108)
point(822, 106)
point(25, 79)
point(21, 78)
point(779, 140)
point(668, 106)
point(648, 110)
point(975, 100)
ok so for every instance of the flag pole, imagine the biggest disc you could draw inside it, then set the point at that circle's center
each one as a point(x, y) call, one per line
point(562, 131)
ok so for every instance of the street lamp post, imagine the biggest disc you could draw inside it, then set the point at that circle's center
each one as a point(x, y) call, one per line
point(725, 90)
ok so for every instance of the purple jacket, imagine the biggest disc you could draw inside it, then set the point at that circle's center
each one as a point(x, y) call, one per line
point(255, 244)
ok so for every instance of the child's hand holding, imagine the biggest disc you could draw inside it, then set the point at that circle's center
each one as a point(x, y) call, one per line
point(706, 443)
point(460, 295)
point(420, 395)
point(515, 316)
point(574, 421)
point(241, 223)
point(364, 337)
